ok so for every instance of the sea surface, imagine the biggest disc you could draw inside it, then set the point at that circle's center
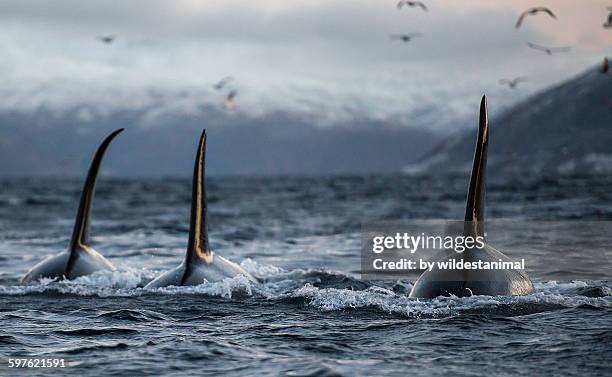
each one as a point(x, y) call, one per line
point(312, 315)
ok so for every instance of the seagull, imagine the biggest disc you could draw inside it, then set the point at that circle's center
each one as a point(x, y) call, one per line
point(512, 83)
point(404, 37)
point(411, 4)
point(106, 38)
point(533, 12)
point(608, 23)
point(229, 99)
point(605, 66)
point(219, 85)
point(548, 50)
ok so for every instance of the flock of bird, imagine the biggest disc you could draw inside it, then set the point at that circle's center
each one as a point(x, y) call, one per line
point(511, 83)
point(221, 86)
point(230, 92)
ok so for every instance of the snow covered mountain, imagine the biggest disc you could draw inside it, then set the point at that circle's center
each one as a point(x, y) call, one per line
point(281, 143)
point(566, 129)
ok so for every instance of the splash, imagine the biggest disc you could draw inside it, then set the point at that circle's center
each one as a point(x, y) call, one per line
point(225, 288)
point(548, 295)
point(328, 291)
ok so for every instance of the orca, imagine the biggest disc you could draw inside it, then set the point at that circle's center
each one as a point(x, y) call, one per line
point(200, 263)
point(79, 258)
point(468, 282)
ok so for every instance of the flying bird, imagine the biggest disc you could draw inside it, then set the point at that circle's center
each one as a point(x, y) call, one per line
point(605, 66)
point(608, 23)
point(512, 83)
point(548, 50)
point(219, 85)
point(404, 37)
point(407, 3)
point(533, 12)
point(229, 99)
point(106, 38)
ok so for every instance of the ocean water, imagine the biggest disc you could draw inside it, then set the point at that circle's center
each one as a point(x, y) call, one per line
point(312, 315)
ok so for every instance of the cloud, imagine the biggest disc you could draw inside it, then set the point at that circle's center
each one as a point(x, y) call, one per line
point(330, 58)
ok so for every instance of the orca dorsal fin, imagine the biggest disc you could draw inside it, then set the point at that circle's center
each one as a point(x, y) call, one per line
point(475, 207)
point(198, 248)
point(80, 234)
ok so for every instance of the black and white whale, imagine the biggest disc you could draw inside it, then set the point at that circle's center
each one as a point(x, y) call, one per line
point(467, 282)
point(200, 263)
point(79, 258)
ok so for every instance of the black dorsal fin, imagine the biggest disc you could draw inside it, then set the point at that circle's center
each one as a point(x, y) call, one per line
point(475, 207)
point(198, 248)
point(80, 234)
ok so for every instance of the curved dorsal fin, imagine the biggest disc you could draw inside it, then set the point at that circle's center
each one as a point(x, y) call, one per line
point(80, 234)
point(475, 207)
point(198, 248)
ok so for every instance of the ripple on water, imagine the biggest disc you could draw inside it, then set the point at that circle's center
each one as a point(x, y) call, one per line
point(96, 331)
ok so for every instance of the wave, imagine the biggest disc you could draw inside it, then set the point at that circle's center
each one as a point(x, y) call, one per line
point(548, 296)
point(324, 291)
point(89, 348)
point(96, 331)
point(136, 315)
point(8, 339)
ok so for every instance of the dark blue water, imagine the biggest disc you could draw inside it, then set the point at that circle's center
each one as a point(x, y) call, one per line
point(312, 316)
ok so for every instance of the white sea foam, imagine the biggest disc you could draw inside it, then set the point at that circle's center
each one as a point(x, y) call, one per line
point(260, 270)
point(280, 284)
point(121, 282)
point(121, 278)
point(548, 293)
point(224, 288)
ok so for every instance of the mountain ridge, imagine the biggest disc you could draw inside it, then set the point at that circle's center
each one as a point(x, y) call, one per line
point(51, 143)
point(564, 129)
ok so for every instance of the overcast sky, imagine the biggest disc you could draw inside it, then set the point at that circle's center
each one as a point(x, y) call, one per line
point(330, 58)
